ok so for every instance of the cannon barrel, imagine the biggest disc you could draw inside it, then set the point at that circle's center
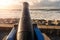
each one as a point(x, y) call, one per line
point(25, 29)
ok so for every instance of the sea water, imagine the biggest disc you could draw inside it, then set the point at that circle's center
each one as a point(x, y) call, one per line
point(35, 14)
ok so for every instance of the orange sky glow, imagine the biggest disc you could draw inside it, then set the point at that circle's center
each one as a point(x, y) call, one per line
point(15, 4)
point(11, 4)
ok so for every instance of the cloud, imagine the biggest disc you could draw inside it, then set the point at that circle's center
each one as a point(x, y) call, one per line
point(48, 3)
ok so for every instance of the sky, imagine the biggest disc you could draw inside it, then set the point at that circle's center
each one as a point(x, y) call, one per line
point(16, 4)
point(48, 4)
point(36, 4)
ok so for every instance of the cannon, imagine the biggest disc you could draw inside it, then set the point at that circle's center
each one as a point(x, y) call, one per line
point(25, 29)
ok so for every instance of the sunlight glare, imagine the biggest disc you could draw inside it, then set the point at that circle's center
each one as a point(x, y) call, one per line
point(5, 2)
point(31, 2)
point(10, 3)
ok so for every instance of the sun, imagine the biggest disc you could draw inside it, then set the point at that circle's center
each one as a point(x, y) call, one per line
point(5, 2)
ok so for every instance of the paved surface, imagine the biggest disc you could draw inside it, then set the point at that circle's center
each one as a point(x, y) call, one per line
point(3, 35)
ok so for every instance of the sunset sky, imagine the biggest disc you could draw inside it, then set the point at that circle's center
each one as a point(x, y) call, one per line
point(6, 7)
point(15, 3)
point(12, 4)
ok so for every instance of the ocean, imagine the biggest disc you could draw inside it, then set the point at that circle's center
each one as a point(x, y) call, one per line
point(35, 14)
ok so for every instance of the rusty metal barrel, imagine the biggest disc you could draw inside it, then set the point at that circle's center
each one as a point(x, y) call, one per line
point(25, 29)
